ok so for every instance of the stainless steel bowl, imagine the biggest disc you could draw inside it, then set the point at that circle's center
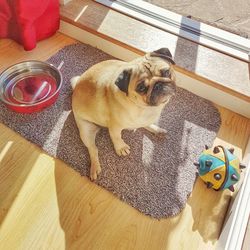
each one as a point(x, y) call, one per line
point(30, 86)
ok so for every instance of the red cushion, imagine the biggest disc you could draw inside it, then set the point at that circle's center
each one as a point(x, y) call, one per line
point(28, 21)
point(5, 16)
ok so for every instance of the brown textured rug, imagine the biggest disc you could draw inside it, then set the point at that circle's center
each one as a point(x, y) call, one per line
point(158, 175)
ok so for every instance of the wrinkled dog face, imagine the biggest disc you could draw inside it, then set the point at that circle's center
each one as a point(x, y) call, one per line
point(155, 82)
point(150, 81)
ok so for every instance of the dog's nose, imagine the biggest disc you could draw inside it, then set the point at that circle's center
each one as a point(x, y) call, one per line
point(164, 87)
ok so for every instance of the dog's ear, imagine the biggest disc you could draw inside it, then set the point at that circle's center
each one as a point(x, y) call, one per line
point(163, 53)
point(123, 80)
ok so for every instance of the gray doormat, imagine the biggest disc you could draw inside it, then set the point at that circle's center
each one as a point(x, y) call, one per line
point(158, 175)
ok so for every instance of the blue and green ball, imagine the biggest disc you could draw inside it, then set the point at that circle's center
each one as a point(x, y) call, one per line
point(219, 168)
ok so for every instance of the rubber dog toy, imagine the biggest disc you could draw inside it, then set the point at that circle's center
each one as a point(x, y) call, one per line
point(219, 168)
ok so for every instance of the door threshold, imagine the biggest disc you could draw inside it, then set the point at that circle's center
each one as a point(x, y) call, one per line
point(218, 70)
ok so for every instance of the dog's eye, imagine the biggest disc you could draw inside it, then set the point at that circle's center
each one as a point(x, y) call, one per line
point(165, 72)
point(141, 88)
point(159, 86)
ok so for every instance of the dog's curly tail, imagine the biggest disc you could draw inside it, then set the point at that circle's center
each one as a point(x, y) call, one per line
point(74, 81)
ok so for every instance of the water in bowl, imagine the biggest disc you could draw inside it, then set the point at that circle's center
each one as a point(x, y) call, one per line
point(31, 89)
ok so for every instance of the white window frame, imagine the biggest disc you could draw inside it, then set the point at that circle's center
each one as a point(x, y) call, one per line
point(179, 25)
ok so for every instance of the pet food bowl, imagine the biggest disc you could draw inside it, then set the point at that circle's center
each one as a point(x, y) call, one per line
point(30, 86)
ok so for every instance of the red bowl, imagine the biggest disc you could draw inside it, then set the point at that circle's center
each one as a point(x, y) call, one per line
point(30, 86)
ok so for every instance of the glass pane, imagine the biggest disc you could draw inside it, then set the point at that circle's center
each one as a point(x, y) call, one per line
point(230, 15)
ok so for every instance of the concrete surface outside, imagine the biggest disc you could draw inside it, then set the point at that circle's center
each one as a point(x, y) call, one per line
point(230, 15)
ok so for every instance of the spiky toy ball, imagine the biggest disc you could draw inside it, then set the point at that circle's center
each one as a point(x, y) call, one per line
point(219, 168)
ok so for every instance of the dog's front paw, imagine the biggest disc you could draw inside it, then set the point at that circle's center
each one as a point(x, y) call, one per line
point(156, 130)
point(122, 149)
point(161, 132)
point(95, 170)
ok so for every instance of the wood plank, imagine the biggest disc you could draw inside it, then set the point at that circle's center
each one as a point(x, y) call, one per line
point(12, 53)
point(45, 204)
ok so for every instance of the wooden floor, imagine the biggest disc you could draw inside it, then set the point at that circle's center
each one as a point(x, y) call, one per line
point(46, 205)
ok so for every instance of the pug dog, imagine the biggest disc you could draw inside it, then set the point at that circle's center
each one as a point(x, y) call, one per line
point(122, 95)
